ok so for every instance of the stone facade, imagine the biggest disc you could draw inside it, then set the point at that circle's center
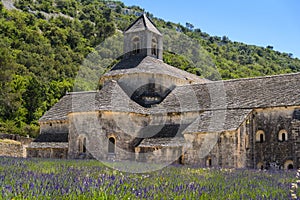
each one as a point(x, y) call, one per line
point(11, 149)
point(273, 142)
point(13, 145)
point(148, 111)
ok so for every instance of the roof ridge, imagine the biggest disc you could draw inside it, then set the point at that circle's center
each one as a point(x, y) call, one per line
point(261, 77)
point(244, 79)
point(145, 19)
point(82, 92)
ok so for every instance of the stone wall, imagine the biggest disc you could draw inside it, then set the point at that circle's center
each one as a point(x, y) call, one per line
point(55, 153)
point(160, 154)
point(268, 149)
point(95, 129)
point(54, 127)
point(21, 139)
point(226, 149)
point(13, 145)
point(11, 148)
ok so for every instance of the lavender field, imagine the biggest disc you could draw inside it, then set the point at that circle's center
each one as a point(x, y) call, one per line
point(80, 179)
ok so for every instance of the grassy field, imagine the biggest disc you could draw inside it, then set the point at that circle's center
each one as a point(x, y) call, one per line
point(91, 179)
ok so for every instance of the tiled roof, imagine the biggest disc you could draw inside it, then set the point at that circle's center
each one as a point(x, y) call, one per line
point(46, 145)
point(52, 137)
point(166, 135)
point(162, 131)
point(218, 121)
point(162, 142)
point(112, 97)
point(236, 97)
point(72, 102)
point(148, 64)
point(262, 92)
point(141, 24)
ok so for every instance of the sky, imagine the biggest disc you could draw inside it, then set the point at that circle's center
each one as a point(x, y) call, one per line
point(258, 22)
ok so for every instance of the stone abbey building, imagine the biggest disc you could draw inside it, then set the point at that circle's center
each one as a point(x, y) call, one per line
point(149, 111)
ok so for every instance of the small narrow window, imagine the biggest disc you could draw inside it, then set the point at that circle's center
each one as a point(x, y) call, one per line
point(260, 166)
point(288, 165)
point(154, 47)
point(260, 136)
point(111, 145)
point(282, 136)
point(84, 145)
point(181, 160)
point(208, 162)
point(136, 45)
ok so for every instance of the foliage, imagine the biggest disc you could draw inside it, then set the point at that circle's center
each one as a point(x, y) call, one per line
point(43, 44)
point(75, 179)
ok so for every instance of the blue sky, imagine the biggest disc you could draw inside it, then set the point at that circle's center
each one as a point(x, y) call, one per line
point(258, 22)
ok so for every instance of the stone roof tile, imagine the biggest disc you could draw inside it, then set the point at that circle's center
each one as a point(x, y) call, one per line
point(52, 137)
point(218, 121)
point(141, 24)
point(46, 145)
point(262, 92)
point(148, 64)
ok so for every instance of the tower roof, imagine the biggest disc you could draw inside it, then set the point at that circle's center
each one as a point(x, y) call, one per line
point(141, 24)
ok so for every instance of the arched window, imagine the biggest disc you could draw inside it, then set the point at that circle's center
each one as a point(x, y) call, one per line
point(82, 145)
point(111, 145)
point(282, 136)
point(154, 47)
point(260, 166)
point(208, 162)
point(136, 45)
point(289, 164)
point(260, 136)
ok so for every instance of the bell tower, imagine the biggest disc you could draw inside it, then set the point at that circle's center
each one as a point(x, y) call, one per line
point(143, 38)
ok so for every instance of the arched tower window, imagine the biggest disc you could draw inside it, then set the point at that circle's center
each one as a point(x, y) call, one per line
point(282, 136)
point(260, 136)
point(111, 145)
point(136, 45)
point(154, 47)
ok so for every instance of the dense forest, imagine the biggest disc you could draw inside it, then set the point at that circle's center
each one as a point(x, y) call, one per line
point(43, 45)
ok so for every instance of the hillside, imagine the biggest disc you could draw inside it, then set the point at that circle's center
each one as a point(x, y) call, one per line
point(44, 43)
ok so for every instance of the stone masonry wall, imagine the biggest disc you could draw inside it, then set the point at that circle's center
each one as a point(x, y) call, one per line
point(215, 149)
point(11, 150)
point(271, 152)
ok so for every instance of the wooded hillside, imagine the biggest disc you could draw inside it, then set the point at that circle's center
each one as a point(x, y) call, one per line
point(43, 45)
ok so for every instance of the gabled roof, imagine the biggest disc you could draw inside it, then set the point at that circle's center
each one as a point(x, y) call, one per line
point(52, 137)
point(235, 98)
point(250, 93)
point(148, 64)
point(141, 24)
point(218, 121)
point(112, 97)
point(72, 102)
